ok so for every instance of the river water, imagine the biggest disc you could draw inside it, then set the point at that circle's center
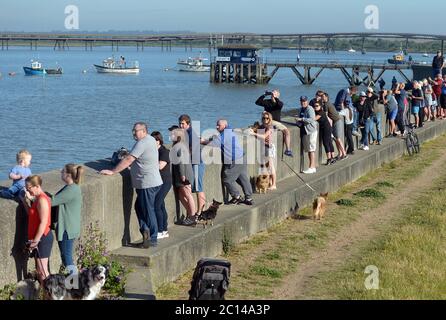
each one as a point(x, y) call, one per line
point(79, 117)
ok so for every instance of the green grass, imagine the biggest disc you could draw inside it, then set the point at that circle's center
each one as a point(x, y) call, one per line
point(265, 259)
point(410, 257)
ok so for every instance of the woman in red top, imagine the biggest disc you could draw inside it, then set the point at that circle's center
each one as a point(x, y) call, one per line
point(40, 237)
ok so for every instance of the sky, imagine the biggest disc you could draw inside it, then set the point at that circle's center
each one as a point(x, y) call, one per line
point(257, 16)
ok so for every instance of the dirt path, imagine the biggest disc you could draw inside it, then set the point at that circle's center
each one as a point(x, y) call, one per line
point(347, 241)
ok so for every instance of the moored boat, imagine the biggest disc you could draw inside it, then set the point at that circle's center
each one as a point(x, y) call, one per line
point(110, 65)
point(193, 64)
point(35, 69)
point(397, 59)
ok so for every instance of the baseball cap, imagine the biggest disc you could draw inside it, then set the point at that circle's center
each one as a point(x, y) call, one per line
point(362, 94)
point(303, 98)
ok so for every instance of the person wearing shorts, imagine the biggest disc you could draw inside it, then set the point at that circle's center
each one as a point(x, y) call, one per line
point(274, 106)
point(337, 125)
point(308, 132)
point(40, 237)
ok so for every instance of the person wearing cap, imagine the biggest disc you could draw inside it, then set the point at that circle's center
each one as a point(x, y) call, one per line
point(146, 179)
point(364, 112)
point(308, 132)
point(438, 64)
point(274, 106)
point(235, 169)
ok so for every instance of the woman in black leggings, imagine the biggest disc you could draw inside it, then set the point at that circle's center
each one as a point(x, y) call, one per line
point(325, 133)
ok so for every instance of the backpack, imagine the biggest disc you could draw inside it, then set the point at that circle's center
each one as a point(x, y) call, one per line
point(119, 155)
point(210, 280)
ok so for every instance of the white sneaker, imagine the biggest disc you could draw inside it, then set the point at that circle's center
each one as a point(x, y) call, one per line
point(165, 234)
point(160, 235)
point(309, 171)
point(365, 148)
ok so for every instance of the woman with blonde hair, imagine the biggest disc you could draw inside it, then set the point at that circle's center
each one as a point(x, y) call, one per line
point(40, 237)
point(69, 202)
point(266, 134)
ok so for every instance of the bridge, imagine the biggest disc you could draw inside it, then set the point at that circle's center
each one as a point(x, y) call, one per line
point(63, 41)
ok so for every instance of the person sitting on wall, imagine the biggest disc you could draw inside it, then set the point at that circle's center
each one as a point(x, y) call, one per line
point(274, 106)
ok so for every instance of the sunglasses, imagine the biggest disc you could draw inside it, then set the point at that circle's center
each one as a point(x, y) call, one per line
point(265, 118)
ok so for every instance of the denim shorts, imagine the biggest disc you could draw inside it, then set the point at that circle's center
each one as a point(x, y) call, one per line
point(197, 185)
point(393, 114)
point(44, 247)
point(415, 109)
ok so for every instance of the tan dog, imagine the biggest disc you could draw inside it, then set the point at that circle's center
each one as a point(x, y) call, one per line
point(262, 183)
point(319, 206)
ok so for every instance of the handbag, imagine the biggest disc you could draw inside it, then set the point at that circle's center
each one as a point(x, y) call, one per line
point(54, 217)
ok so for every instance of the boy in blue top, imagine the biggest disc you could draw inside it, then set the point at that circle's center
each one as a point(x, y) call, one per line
point(18, 174)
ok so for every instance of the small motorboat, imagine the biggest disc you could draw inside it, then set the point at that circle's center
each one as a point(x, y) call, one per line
point(110, 65)
point(426, 55)
point(193, 64)
point(36, 69)
point(351, 50)
point(398, 59)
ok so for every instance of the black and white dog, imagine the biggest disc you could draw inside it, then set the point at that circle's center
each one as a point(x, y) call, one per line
point(86, 285)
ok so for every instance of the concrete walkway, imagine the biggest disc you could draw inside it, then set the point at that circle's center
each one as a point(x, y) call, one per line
point(235, 223)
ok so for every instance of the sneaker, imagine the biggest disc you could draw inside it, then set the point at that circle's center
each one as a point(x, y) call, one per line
point(248, 202)
point(288, 153)
point(190, 221)
point(309, 171)
point(332, 161)
point(235, 200)
point(378, 143)
point(145, 239)
point(165, 234)
point(328, 162)
point(365, 148)
point(160, 235)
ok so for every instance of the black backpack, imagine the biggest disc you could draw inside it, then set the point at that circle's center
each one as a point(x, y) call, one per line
point(210, 280)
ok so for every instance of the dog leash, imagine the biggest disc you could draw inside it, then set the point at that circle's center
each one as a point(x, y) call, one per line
point(39, 260)
point(298, 175)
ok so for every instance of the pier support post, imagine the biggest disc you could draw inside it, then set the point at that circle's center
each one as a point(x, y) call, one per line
point(442, 47)
point(300, 44)
point(271, 43)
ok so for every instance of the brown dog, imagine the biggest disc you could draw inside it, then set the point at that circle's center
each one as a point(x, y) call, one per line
point(262, 183)
point(319, 206)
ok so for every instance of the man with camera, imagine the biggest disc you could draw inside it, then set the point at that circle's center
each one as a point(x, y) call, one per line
point(274, 106)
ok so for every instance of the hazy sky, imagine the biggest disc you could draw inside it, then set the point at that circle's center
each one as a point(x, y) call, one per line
point(259, 16)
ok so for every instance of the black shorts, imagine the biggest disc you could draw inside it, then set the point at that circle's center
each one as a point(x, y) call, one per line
point(443, 101)
point(44, 247)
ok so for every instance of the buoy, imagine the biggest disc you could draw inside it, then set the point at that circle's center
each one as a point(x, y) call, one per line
point(84, 71)
point(12, 74)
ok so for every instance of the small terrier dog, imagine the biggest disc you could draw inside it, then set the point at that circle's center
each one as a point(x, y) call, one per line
point(262, 183)
point(208, 216)
point(263, 179)
point(255, 126)
point(319, 206)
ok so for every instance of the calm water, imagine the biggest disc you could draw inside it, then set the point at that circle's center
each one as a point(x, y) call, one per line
point(79, 117)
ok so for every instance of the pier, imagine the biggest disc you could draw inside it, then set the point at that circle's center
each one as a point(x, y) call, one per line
point(374, 70)
point(297, 41)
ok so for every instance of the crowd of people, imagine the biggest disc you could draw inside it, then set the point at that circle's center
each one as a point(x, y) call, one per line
point(153, 171)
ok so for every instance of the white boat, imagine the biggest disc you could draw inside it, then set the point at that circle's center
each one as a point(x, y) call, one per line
point(351, 50)
point(426, 55)
point(193, 64)
point(110, 65)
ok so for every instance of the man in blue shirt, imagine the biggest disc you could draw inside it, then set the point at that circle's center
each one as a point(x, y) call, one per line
point(234, 168)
